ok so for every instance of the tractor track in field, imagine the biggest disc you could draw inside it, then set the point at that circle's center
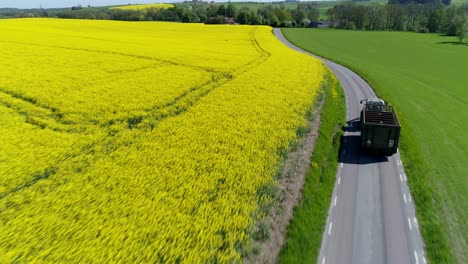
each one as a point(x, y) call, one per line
point(179, 105)
point(186, 100)
point(35, 113)
point(155, 114)
point(162, 61)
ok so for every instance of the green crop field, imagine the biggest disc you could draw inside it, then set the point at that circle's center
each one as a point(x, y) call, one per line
point(426, 77)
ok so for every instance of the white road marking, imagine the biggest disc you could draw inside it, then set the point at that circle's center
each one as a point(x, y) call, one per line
point(339, 180)
point(409, 198)
point(424, 260)
point(416, 257)
point(330, 228)
point(401, 178)
point(415, 221)
point(334, 202)
point(341, 165)
point(409, 223)
point(404, 177)
point(323, 260)
point(404, 198)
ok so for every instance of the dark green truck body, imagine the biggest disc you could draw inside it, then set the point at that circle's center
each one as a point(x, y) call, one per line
point(380, 129)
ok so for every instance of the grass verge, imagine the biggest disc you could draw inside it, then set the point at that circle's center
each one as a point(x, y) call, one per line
point(427, 200)
point(304, 233)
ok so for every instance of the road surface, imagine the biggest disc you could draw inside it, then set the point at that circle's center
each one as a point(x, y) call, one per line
point(371, 219)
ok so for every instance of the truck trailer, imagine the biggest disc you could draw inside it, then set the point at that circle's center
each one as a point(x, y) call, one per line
point(380, 127)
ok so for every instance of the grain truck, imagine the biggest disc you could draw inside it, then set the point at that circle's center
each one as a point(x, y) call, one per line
point(380, 128)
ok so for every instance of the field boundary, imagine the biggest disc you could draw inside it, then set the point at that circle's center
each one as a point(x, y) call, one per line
point(288, 189)
point(304, 232)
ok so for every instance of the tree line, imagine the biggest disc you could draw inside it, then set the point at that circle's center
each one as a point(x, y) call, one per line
point(276, 15)
point(398, 15)
point(415, 17)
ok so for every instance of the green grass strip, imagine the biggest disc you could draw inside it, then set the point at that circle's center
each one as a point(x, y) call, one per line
point(427, 201)
point(305, 230)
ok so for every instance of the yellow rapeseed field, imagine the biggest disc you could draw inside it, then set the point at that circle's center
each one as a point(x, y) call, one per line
point(143, 6)
point(142, 142)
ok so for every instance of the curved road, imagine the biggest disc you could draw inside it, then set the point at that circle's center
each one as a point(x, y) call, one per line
point(371, 217)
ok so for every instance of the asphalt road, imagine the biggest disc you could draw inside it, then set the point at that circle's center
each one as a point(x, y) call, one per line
point(371, 217)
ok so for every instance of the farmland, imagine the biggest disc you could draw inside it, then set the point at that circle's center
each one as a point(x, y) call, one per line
point(143, 6)
point(143, 142)
point(424, 76)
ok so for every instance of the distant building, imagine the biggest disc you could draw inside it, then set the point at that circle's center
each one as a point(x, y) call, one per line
point(319, 24)
point(314, 24)
point(325, 24)
point(229, 20)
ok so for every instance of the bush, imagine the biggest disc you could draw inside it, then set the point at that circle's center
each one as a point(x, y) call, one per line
point(215, 20)
point(423, 30)
point(351, 25)
point(286, 24)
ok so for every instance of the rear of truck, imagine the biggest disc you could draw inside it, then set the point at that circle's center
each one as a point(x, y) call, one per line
point(380, 128)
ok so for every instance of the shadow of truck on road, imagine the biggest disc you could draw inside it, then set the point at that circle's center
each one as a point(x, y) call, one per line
point(350, 149)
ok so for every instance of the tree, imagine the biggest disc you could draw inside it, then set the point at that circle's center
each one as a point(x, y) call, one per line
point(187, 18)
point(395, 17)
point(221, 11)
point(272, 18)
point(313, 14)
point(254, 18)
point(299, 15)
point(212, 11)
point(78, 7)
point(461, 25)
point(414, 12)
point(283, 15)
point(434, 20)
point(231, 11)
point(243, 16)
point(376, 16)
point(310, 8)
